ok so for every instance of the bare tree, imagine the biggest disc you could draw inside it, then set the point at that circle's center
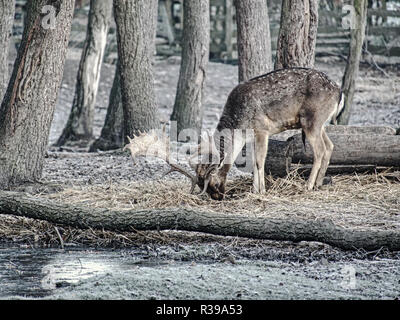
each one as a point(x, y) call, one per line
point(188, 110)
point(297, 34)
point(136, 28)
point(351, 72)
point(27, 109)
point(254, 40)
point(7, 8)
point(79, 126)
point(112, 134)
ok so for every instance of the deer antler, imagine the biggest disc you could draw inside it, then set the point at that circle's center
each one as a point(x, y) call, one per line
point(150, 144)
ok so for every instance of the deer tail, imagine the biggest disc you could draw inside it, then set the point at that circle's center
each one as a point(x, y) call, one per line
point(339, 108)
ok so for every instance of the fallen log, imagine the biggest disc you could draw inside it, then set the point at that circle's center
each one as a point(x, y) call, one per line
point(356, 150)
point(353, 149)
point(344, 129)
point(305, 170)
point(278, 159)
point(187, 219)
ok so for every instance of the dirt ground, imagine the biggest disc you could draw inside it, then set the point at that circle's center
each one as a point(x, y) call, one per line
point(211, 270)
point(186, 265)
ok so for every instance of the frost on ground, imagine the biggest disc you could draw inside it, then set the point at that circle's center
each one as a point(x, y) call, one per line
point(198, 272)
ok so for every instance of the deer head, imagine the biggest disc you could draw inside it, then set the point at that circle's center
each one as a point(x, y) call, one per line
point(211, 180)
point(209, 173)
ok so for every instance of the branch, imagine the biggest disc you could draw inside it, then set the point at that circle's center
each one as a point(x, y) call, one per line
point(186, 219)
point(374, 64)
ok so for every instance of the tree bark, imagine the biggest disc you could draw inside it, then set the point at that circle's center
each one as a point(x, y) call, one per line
point(188, 111)
point(277, 162)
point(354, 149)
point(112, 134)
point(136, 29)
point(333, 170)
point(253, 38)
point(79, 126)
point(27, 109)
point(367, 130)
point(7, 8)
point(357, 33)
point(186, 219)
point(297, 34)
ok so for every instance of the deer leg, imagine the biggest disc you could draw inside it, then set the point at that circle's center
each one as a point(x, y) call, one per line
point(260, 153)
point(326, 158)
point(318, 146)
point(236, 147)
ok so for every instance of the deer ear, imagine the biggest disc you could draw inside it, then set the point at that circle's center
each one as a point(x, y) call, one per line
point(222, 162)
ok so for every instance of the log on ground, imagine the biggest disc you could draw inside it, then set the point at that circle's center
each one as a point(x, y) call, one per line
point(305, 170)
point(344, 129)
point(186, 219)
point(277, 163)
point(354, 149)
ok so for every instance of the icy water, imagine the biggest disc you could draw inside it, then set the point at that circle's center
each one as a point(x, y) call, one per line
point(36, 272)
point(132, 274)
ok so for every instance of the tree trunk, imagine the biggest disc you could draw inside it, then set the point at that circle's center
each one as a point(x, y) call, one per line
point(351, 72)
point(253, 38)
point(7, 8)
point(80, 123)
point(188, 110)
point(186, 219)
point(229, 25)
point(27, 109)
point(136, 30)
point(297, 34)
point(112, 134)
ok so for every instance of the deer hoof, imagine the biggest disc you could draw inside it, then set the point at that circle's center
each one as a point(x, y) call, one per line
point(309, 187)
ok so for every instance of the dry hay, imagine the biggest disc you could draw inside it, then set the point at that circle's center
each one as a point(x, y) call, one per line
point(353, 201)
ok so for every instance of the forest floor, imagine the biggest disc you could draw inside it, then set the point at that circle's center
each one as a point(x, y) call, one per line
point(184, 265)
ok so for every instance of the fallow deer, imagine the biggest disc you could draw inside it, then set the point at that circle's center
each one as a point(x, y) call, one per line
point(294, 98)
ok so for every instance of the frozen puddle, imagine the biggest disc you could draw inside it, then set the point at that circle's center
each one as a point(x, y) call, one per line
point(36, 272)
point(63, 272)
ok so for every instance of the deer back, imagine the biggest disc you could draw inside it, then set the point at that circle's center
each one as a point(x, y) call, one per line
point(279, 100)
